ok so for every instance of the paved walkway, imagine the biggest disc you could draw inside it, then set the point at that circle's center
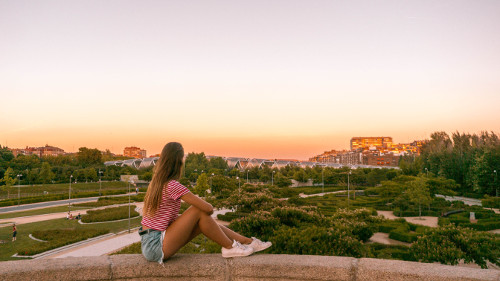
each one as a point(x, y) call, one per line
point(102, 247)
point(302, 195)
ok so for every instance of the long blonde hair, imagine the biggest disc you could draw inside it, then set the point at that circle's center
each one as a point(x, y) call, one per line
point(168, 167)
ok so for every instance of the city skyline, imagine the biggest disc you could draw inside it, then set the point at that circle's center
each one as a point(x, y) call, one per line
point(287, 79)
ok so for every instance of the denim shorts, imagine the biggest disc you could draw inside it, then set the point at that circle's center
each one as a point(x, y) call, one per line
point(152, 245)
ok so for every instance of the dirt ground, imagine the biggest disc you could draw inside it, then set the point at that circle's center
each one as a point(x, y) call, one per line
point(427, 221)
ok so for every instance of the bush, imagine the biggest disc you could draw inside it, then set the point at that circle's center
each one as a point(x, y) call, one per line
point(403, 234)
point(230, 216)
point(450, 244)
point(110, 214)
point(316, 240)
point(57, 238)
point(394, 252)
point(491, 202)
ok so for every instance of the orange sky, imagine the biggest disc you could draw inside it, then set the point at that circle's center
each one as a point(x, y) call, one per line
point(280, 79)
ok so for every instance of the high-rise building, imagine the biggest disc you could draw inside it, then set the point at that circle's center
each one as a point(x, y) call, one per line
point(135, 152)
point(367, 142)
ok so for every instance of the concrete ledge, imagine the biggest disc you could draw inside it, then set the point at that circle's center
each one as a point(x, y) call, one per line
point(258, 267)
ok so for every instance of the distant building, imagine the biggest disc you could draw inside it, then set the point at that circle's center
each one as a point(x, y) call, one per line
point(135, 152)
point(365, 143)
point(43, 151)
point(380, 159)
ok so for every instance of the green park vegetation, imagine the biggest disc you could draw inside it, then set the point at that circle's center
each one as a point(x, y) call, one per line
point(24, 243)
point(334, 224)
point(110, 214)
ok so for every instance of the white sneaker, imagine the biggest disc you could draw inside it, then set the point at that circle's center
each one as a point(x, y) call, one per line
point(238, 250)
point(258, 245)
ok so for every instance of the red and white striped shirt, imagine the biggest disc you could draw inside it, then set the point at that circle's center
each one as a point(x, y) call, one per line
point(169, 207)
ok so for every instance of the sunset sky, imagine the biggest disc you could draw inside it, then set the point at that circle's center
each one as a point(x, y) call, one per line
point(271, 79)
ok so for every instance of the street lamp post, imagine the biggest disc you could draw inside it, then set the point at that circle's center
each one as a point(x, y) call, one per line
point(69, 198)
point(210, 181)
point(348, 189)
point(496, 184)
point(19, 189)
point(247, 176)
point(426, 172)
point(129, 206)
point(322, 180)
point(272, 178)
point(100, 182)
point(239, 186)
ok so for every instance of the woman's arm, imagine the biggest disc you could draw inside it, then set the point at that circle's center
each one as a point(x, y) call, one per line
point(197, 202)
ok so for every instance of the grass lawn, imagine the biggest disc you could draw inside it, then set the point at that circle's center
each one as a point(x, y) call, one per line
point(8, 249)
point(42, 211)
point(60, 188)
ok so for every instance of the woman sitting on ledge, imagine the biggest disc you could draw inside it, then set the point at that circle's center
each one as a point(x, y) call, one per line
point(163, 232)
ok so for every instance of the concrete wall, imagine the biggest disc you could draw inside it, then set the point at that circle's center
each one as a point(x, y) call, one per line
point(258, 267)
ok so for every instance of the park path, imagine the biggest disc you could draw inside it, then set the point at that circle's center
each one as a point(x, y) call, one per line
point(424, 220)
point(302, 195)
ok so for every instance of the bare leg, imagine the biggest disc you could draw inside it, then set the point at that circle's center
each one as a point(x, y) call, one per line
point(235, 236)
point(189, 222)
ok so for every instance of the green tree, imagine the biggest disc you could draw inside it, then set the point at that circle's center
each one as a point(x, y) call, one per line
point(46, 175)
point(201, 185)
point(418, 193)
point(87, 157)
point(8, 177)
point(299, 175)
point(281, 181)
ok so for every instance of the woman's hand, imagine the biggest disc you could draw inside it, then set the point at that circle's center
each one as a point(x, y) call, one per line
point(197, 202)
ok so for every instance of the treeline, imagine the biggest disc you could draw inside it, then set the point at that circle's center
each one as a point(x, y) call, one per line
point(84, 166)
point(471, 160)
point(197, 164)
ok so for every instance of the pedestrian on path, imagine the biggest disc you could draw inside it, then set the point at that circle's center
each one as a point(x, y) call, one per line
point(14, 232)
point(163, 232)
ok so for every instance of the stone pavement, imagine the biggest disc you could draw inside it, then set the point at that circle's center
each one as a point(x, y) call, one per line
point(102, 247)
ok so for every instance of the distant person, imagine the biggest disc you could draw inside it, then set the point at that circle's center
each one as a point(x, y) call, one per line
point(68, 215)
point(78, 216)
point(14, 232)
point(163, 232)
point(136, 190)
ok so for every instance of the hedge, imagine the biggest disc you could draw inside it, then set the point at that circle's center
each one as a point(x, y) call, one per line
point(491, 202)
point(110, 214)
point(402, 235)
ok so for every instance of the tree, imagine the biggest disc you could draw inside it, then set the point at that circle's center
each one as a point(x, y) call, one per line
point(218, 163)
point(299, 175)
point(281, 181)
point(8, 177)
point(418, 193)
point(87, 156)
point(201, 185)
point(46, 175)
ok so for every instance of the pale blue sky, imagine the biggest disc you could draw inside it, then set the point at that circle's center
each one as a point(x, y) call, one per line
point(287, 78)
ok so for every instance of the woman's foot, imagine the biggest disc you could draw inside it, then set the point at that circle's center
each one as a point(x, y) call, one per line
point(258, 245)
point(237, 250)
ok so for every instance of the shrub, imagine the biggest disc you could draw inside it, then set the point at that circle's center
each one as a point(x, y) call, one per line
point(449, 244)
point(403, 234)
point(491, 202)
point(109, 214)
point(316, 240)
